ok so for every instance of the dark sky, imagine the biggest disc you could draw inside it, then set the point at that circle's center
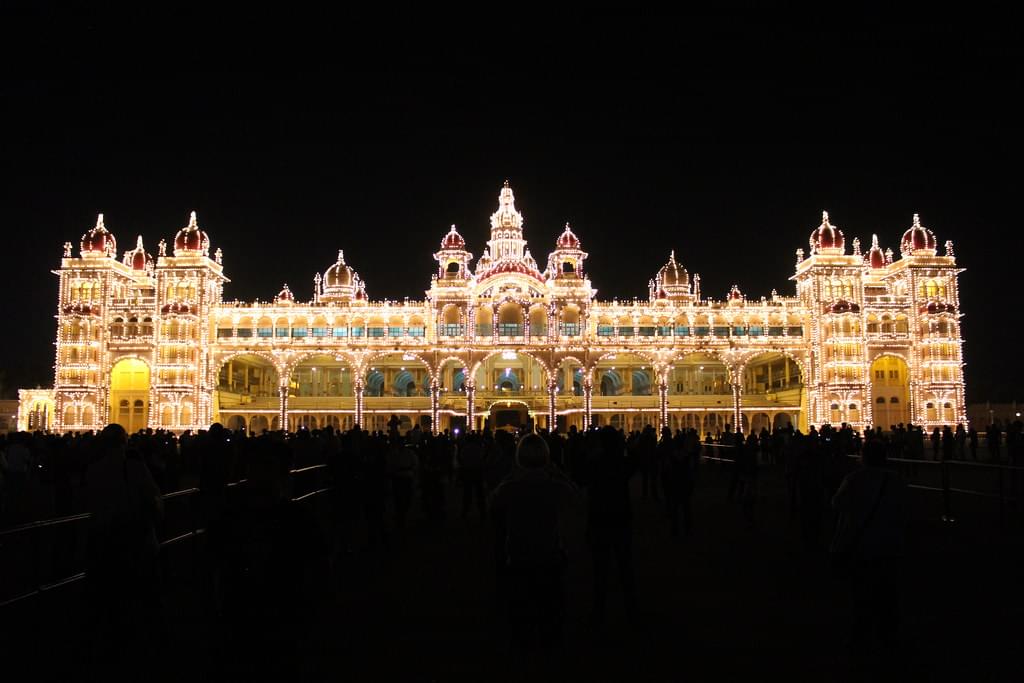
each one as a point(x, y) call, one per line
point(721, 137)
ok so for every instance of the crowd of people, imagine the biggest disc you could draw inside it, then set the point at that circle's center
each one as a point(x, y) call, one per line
point(268, 559)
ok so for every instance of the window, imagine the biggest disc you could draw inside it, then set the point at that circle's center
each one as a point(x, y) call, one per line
point(375, 332)
point(417, 331)
point(484, 329)
point(880, 399)
point(879, 374)
point(605, 330)
point(774, 331)
point(570, 329)
point(701, 331)
point(340, 331)
point(756, 330)
point(319, 331)
point(626, 331)
point(394, 331)
point(299, 331)
point(510, 330)
point(664, 330)
point(796, 331)
point(245, 332)
point(264, 332)
point(894, 399)
point(646, 331)
point(739, 331)
point(223, 332)
point(451, 330)
point(682, 331)
point(721, 331)
point(281, 332)
point(358, 331)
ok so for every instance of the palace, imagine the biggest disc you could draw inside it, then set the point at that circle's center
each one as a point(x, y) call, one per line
point(150, 342)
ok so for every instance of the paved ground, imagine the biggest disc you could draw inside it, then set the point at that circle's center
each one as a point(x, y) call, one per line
point(728, 603)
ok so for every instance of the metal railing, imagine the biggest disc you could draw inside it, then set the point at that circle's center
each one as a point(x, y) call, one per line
point(194, 531)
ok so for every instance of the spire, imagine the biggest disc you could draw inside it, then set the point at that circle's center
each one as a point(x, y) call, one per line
point(341, 256)
point(874, 241)
point(824, 217)
point(917, 220)
point(101, 227)
point(193, 224)
point(138, 243)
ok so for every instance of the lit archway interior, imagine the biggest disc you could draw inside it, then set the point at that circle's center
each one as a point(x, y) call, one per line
point(129, 394)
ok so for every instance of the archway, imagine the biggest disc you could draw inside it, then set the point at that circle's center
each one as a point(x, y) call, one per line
point(246, 384)
point(396, 383)
point(129, 394)
point(773, 380)
point(890, 381)
point(318, 385)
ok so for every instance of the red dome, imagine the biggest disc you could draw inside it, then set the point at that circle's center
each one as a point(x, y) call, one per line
point(875, 258)
point(99, 242)
point(512, 267)
point(568, 239)
point(453, 240)
point(285, 295)
point(81, 309)
point(916, 238)
point(735, 294)
point(176, 308)
point(827, 236)
point(137, 258)
point(191, 238)
point(672, 274)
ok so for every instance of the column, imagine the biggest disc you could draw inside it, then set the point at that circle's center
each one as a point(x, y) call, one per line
point(588, 394)
point(435, 398)
point(552, 397)
point(359, 403)
point(737, 416)
point(283, 408)
point(663, 403)
point(470, 412)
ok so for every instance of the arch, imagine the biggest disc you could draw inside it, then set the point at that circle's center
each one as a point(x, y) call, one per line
point(404, 384)
point(772, 372)
point(247, 380)
point(700, 374)
point(130, 383)
point(258, 424)
point(479, 363)
point(373, 385)
point(890, 390)
point(610, 383)
point(235, 423)
point(538, 321)
point(321, 375)
point(641, 383)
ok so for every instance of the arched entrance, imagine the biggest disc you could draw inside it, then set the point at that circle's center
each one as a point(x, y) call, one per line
point(772, 381)
point(247, 386)
point(890, 392)
point(321, 391)
point(129, 394)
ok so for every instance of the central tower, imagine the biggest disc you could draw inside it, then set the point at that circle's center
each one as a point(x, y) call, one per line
point(506, 243)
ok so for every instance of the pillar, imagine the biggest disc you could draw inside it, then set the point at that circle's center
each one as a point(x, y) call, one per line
point(588, 395)
point(552, 398)
point(470, 412)
point(662, 404)
point(435, 399)
point(359, 404)
point(737, 415)
point(283, 407)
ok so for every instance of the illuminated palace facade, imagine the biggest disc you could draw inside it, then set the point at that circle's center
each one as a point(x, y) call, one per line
point(151, 342)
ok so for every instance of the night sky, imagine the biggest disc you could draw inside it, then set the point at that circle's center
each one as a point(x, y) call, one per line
point(720, 137)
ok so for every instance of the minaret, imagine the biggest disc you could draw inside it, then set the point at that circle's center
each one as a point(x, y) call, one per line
point(506, 243)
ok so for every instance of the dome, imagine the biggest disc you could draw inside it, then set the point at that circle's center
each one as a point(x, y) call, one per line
point(339, 274)
point(735, 294)
point(875, 258)
point(191, 239)
point(176, 308)
point(843, 306)
point(453, 240)
point(81, 309)
point(284, 296)
point(137, 258)
point(917, 238)
point(673, 274)
point(568, 239)
point(99, 242)
point(512, 267)
point(827, 236)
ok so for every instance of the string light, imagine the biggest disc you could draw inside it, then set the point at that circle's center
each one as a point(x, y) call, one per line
point(169, 313)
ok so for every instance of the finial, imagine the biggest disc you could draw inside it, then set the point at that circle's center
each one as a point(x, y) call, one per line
point(138, 243)
point(917, 220)
point(341, 256)
point(888, 255)
point(856, 246)
point(162, 247)
point(824, 217)
point(672, 256)
point(506, 182)
point(218, 256)
point(453, 228)
point(192, 223)
point(949, 248)
point(874, 241)
point(99, 222)
point(67, 250)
